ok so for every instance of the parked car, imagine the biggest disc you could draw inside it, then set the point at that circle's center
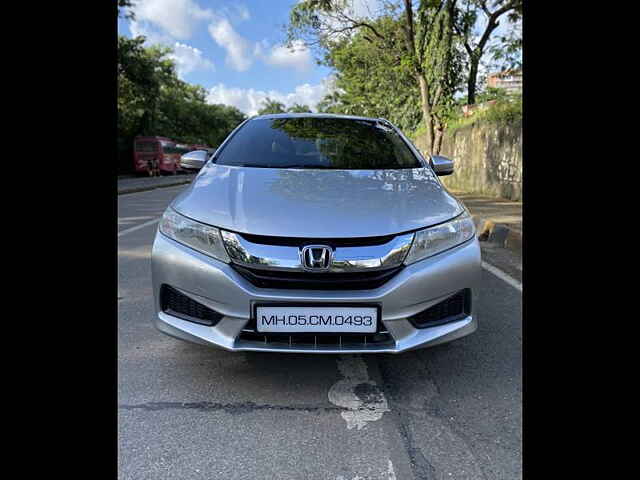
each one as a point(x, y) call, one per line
point(316, 233)
point(193, 161)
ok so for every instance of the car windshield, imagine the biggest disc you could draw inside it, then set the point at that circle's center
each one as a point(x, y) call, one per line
point(317, 142)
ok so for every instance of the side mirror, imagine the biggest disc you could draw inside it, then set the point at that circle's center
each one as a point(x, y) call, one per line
point(441, 165)
point(194, 160)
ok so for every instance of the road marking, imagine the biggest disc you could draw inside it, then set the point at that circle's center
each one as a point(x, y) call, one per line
point(391, 472)
point(503, 276)
point(124, 220)
point(138, 227)
point(360, 411)
point(153, 189)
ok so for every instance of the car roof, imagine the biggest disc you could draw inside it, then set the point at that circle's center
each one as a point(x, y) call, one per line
point(316, 115)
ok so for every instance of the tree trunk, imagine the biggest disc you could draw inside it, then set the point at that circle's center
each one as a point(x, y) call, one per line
point(426, 111)
point(472, 80)
point(438, 139)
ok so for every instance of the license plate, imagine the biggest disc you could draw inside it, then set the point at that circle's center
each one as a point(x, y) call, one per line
point(310, 319)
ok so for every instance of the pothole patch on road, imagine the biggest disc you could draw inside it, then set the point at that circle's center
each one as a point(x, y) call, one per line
point(360, 396)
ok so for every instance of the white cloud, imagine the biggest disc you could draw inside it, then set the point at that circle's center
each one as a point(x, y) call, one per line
point(238, 54)
point(154, 37)
point(176, 17)
point(189, 59)
point(298, 57)
point(250, 101)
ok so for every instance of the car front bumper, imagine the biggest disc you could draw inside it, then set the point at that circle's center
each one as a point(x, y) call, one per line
point(219, 287)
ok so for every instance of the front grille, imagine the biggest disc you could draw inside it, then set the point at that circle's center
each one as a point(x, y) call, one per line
point(301, 242)
point(453, 308)
point(175, 303)
point(316, 281)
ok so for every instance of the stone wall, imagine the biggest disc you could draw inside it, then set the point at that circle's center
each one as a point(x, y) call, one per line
point(488, 159)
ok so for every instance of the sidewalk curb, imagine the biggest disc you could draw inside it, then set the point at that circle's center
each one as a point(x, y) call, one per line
point(497, 233)
point(125, 190)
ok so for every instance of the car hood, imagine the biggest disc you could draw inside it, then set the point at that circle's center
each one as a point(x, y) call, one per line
point(316, 203)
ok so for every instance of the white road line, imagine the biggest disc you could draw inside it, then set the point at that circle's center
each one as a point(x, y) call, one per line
point(154, 189)
point(503, 276)
point(138, 227)
point(391, 472)
point(133, 219)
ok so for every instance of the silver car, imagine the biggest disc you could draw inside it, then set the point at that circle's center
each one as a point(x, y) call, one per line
point(316, 233)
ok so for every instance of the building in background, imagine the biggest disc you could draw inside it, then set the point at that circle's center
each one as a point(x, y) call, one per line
point(510, 80)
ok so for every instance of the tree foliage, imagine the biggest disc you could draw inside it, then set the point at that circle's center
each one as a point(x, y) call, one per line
point(507, 51)
point(371, 81)
point(384, 58)
point(406, 60)
point(297, 108)
point(443, 63)
point(271, 106)
point(476, 44)
point(123, 5)
point(152, 100)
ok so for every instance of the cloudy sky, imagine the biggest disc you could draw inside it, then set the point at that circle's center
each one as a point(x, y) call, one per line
point(233, 49)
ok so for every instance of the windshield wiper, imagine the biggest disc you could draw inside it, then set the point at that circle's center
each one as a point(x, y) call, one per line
point(259, 165)
point(253, 165)
point(305, 166)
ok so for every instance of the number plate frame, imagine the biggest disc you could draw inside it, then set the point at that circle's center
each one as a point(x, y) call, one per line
point(254, 315)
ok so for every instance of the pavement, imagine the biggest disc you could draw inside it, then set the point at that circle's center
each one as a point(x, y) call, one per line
point(187, 411)
point(498, 221)
point(131, 184)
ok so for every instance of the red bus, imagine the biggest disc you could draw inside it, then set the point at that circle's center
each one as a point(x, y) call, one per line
point(164, 151)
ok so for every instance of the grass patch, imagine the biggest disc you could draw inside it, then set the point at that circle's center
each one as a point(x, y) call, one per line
point(503, 112)
point(420, 131)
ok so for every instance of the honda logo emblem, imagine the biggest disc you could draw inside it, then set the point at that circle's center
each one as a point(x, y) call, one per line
point(316, 257)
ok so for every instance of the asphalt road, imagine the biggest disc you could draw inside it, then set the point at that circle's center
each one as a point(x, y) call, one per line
point(186, 411)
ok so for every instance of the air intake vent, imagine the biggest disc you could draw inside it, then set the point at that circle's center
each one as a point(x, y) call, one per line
point(453, 308)
point(175, 303)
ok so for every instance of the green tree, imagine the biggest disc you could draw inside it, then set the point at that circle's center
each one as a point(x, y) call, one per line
point(123, 5)
point(152, 100)
point(271, 106)
point(141, 73)
point(468, 15)
point(507, 52)
point(410, 47)
point(370, 81)
point(297, 108)
point(444, 66)
point(330, 103)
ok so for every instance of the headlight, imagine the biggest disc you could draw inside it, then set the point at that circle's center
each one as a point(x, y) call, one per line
point(433, 240)
point(203, 238)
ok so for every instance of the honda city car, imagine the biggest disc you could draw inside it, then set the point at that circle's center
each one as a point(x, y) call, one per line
point(316, 233)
